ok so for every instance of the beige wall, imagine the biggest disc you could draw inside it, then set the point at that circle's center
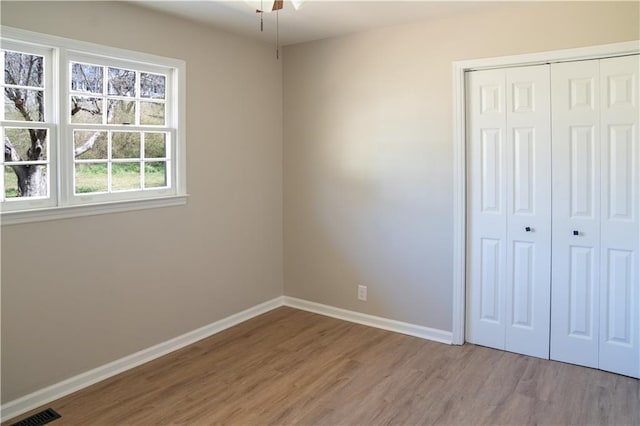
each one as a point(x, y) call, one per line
point(79, 293)
point(368, 166)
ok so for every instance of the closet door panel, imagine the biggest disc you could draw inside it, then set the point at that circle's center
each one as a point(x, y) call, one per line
point(575, 100)
point(554, 212)
point(528, 175)
point(486, 201)
point(619, 282)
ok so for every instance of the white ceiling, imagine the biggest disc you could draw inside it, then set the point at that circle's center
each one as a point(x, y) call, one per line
point(317, 19)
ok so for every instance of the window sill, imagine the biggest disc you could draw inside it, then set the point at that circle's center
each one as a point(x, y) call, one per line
point(55, 213)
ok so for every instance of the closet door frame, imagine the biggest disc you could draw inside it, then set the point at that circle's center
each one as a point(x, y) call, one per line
point(460, 150)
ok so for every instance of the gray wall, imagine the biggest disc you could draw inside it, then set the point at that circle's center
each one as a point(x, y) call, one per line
point(368, 166)
point(79, 293)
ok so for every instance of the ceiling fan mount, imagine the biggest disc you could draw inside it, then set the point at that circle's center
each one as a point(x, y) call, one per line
point(277, 5)
point(265, 6)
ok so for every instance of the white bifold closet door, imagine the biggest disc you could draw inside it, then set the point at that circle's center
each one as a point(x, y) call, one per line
point(596, 203)
point(509, 200)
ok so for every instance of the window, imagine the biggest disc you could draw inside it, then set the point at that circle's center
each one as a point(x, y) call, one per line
point(27, 124)
point(120, 129)
point(88, 129)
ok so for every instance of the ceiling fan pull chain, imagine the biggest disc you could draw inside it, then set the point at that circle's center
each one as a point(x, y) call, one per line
point(277, 34)
point(261, 16)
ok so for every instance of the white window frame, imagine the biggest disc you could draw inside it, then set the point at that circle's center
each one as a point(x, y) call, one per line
point(168, 127)
point(63, 203)
point(50, 75)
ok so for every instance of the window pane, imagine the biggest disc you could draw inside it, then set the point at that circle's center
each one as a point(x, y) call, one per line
point(152, 86)
point(23, 105)
point(152, 113)
point(125, 176)
point(155, 174)
point(10, 183)
point(121, 112)
point(90, 145)
point(154, 145)
point(22, 69)
point(86, 110)
point(125, 145)
point(34, 181)
point(122, 82)
point(86, 78)
point(27, 144)
point(91, 177)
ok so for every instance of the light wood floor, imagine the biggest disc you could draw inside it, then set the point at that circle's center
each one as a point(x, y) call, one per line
point(294, 367)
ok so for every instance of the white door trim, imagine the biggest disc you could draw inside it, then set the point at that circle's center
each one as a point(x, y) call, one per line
point(459, 149)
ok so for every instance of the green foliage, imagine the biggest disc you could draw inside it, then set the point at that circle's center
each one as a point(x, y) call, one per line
point(126, 168)
point(156, 167)
point(10, 183)
point(125, 145)
point(92, 169)
point(86, 189)
point(154, 145)
point(92, 178)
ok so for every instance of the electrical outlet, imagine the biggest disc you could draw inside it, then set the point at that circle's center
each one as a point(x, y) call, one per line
point(362, 293)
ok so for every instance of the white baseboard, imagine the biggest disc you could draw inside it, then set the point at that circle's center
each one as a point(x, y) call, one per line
point(29, 402)
point(51, 393)
point(370, 320)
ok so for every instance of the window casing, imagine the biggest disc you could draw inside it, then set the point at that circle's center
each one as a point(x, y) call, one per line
point(124, 119)
point(109, 126)
point(27, 114)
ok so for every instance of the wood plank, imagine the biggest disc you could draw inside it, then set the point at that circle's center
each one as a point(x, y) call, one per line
point(294, 367)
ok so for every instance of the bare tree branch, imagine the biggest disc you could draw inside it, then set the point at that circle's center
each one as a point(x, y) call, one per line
point(88, 145)
point(92, 139)
point(77, 107)
point(31, 179)
point(19, 101)
point(15, 96)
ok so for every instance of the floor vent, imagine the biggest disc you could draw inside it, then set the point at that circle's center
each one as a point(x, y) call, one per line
point(41, 418)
